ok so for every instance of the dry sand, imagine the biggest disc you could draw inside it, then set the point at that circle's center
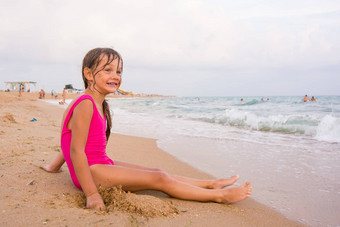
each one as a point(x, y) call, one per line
point(30, 196)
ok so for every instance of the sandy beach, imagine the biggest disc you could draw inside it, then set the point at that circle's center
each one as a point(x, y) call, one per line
point(31, 196)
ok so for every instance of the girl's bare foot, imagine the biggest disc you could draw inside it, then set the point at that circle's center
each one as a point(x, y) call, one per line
point(233, 195)
point(221, 183)
point(49, 169)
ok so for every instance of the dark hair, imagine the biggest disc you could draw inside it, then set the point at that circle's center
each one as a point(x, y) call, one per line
point(91, 61)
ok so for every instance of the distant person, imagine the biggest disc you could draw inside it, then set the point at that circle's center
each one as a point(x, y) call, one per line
point(262, 99)
point(52, 93)
point(41, 94)
point(268, 100)
point(20, 90)
point(87, 127)
point(305, 99)
point(64, 95)
point(241, 100)
point(313, 99)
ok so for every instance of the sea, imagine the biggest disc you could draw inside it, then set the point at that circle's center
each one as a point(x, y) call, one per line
point(288, 149)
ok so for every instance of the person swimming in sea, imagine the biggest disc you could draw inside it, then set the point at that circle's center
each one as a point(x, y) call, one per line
point(305, 99)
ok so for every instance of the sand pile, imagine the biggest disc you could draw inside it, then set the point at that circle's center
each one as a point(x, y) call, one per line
point(8, 118)
point(117, 199)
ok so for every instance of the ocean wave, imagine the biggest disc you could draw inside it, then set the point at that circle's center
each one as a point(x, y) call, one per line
point(328, 129)
point(304, 124)
point(249, 103)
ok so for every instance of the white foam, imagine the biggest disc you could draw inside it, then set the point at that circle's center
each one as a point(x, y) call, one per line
point(328, 129)
point(56, 102)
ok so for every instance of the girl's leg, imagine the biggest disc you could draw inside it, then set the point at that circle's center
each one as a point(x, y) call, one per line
point(55, 165)
point(136, 180)
point(209, 184)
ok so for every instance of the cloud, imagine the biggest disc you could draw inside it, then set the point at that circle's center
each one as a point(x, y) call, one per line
point(192, 39)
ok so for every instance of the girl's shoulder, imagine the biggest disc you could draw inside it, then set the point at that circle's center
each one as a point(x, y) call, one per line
point(80, 98)
point(85, 99)
point(80, 110)
point(83, 107)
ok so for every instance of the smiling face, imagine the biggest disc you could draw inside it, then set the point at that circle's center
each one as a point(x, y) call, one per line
point(101, 70)
point(106, 77)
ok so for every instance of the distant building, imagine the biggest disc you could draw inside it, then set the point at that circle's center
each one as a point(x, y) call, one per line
point(24, 85)
point(70, 89)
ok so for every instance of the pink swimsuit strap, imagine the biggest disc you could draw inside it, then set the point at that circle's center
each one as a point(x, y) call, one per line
point(70, 112)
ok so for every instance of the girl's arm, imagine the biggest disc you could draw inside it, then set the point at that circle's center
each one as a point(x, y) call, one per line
point(80, 124)
point(55, 165)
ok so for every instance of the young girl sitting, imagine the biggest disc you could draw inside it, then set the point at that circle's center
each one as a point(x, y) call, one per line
point(86, 128)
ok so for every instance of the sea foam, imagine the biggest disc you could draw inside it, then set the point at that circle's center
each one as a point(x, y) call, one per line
point(328, 129)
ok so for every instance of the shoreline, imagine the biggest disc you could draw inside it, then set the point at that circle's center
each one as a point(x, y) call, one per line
point(59, 96)
point(27, 145)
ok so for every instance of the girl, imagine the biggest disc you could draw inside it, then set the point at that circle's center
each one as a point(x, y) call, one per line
point(86, 127)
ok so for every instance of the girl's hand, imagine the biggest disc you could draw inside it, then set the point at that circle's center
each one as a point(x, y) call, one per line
point(95, 202)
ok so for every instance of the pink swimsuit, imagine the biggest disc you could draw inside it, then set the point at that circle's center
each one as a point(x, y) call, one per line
point(95, 148)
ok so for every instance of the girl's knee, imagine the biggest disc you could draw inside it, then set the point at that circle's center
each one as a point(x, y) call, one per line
point(163, 177)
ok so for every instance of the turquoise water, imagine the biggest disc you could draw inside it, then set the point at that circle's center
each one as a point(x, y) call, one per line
point(283, 115)
point(287, 148)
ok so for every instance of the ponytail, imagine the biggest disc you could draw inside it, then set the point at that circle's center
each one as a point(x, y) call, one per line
point(107, 113)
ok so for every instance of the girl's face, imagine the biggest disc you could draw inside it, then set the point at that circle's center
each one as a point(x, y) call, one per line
point(107, 79)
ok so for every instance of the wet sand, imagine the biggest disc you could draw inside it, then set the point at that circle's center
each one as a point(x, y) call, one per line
point(30, 196)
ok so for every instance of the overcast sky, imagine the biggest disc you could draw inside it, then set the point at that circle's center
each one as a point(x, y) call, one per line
point(184, 48)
